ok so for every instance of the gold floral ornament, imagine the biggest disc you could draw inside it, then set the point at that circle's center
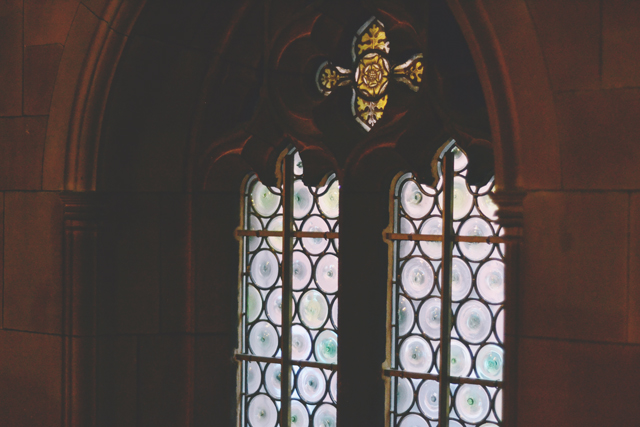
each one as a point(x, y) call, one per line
point(371, 74)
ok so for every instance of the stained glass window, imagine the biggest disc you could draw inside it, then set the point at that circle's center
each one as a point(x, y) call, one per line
point(448, 301)
point(305, 269)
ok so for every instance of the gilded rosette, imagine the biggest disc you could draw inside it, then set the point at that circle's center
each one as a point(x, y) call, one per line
point(372, 75)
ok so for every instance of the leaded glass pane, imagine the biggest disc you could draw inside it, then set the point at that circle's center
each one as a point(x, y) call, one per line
point(477, 290)
point(314, 322)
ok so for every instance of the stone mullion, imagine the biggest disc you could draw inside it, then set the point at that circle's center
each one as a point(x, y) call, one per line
point(81, 228)
point(510, 217)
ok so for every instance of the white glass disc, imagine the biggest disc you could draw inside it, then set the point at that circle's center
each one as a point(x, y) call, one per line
point(299, 414)
point(500, 326)
point(417, 278)
point(406, 247)
point(460, 362)
point(498, 405)
point(274, 306)
point(429, 317)
point(315, 245)
point(254, 224)
point(264, 269)
point(330, 201)
point(300, 343)
point(265, 202)
point(334, 312)
point(413, 420)
point(313, 309)
point(432, 226)
point(405, 316)
point(490, 281)
point(488, 207)
point(415, 203)
point(428, 398)
point(489, 362)
point(302, 199)
point(474, 321)
point(275, 225)
point(311, 384)
point(254, 375)
point(327, 273)
point(254, 303)
point(415, 354)
point(333, 386)
point(326, 348)
point(460, 279)
point(472, 403)
point(476, 227)
point(301, 270)
point(262, 412)
point(325, 416)
point(404, 395)
point(263, 339)
point(272, 380)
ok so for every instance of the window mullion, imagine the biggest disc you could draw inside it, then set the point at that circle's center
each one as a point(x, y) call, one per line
point(287, 291)
point(445, 285)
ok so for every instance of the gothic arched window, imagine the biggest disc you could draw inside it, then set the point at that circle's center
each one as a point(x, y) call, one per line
point(289, 310)
point(447, 301)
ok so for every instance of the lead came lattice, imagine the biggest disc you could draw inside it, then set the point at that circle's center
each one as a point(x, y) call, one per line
point(477, 295)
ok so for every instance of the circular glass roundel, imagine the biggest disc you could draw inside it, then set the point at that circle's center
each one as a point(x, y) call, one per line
point(301, 270)
point(498, 405)
point(476, 227)
point(263, 339)
point(297, 164)
point(302, 199)
point(415, 203)
point(405, 316)
point(315, 245)
point(488, 207)
point(462, 198)
point(472, 403)
point(299, 414)
point(327, 273)
point(334, 312)
point(429, 317)
point(460, 279)
point(432, 226)
point(275, 225)
point(405, 247)
point(490, 281)
point(413, 420)
point(254, 303)
point(272, 380)
point(333, 386)
point(460, 359)
point(313, 309)
point(326, 347)
point(417, 278)
point(311, 384)
point(404, 395)
point(454, 423)
point(264, 269)
point(274, 306)
point(500, 326)
point(415, 354)
point(254, 224)
point(489, 362)
point(325, 416)
point(262, 411)
point(459, 159)
point(254, 375)
point(300, 343)
point(474, 321)
point(330, 201)
point(265, 202)
point(428, 398)
point(488, 425)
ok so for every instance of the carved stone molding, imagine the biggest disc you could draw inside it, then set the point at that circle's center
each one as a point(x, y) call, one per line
point(510, 210)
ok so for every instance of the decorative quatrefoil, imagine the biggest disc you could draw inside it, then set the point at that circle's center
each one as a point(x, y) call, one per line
point(370, 77)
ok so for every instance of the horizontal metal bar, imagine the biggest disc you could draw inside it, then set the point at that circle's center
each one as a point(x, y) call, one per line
point(301, 363)
point(454, 380)
point(438, 238)
point(299, 234)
